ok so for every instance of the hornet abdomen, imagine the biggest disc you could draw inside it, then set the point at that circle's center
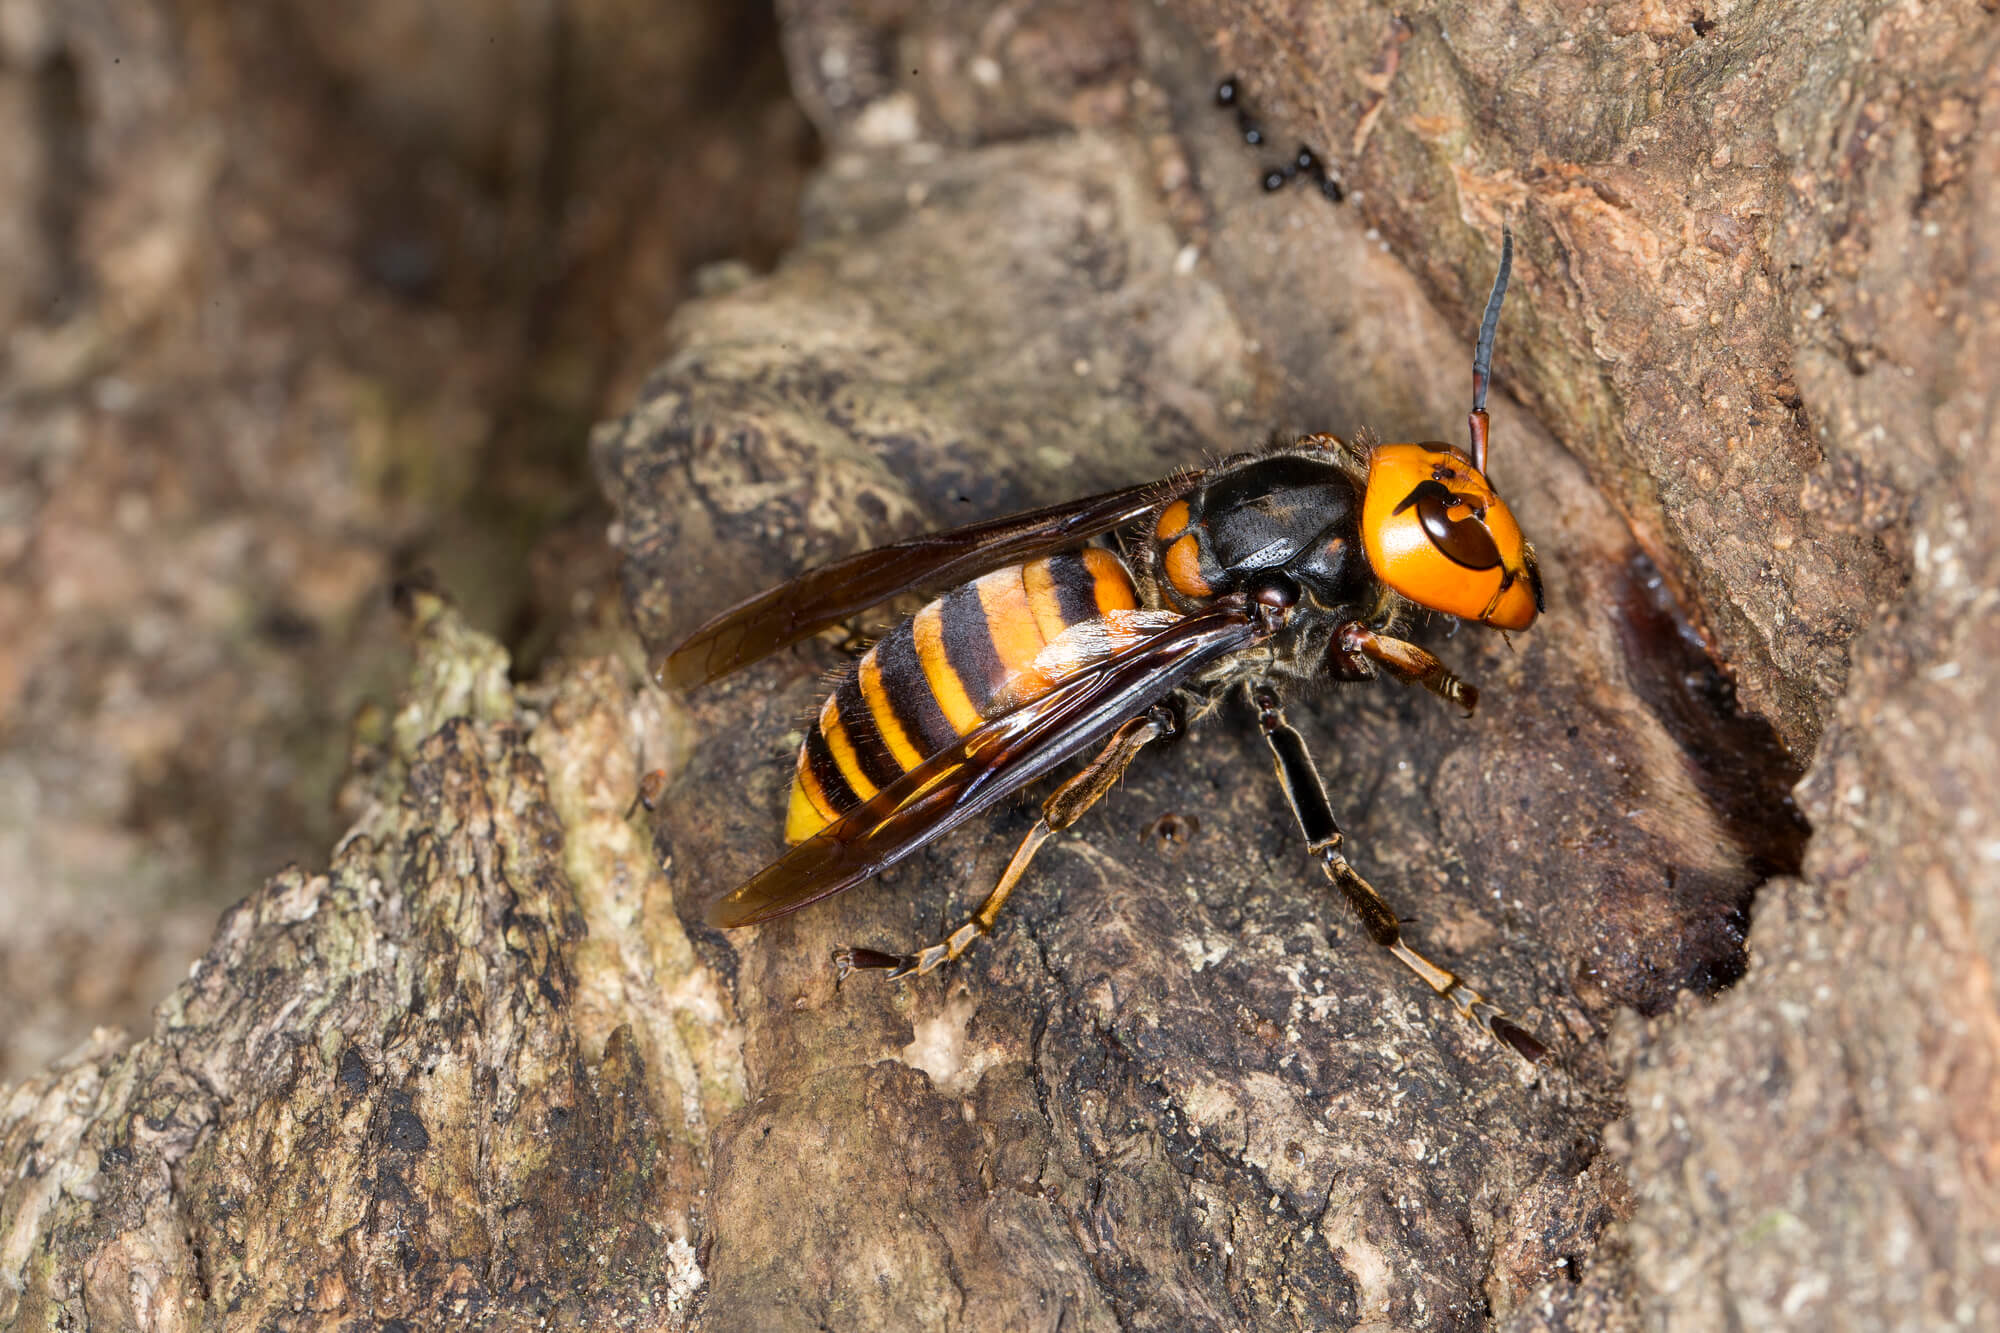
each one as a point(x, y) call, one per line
point(976, 653)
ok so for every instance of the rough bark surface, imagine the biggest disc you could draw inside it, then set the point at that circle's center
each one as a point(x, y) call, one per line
point(489, 1066)
point(293, 304)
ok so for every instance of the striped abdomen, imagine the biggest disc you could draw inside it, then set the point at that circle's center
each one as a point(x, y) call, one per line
point(975, 653)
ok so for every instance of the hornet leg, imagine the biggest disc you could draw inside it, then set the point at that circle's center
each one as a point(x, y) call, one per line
point(1409, 663)
point(1307, 794)
point(1061, 810)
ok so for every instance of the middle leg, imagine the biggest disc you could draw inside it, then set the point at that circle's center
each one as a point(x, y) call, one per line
point(1307, 794)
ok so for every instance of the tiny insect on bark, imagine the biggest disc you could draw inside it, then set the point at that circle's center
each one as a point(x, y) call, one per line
point(1287, 567)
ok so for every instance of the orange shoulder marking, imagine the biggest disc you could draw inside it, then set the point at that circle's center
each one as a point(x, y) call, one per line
point(1183, 566)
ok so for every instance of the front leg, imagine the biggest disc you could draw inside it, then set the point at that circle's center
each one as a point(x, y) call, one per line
point(1307, 794)
point(1406, 662)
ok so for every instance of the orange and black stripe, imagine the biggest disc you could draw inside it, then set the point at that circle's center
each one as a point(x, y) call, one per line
point(965, 658)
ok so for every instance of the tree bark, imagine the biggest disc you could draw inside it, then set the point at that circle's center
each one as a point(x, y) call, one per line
point(490, 1067)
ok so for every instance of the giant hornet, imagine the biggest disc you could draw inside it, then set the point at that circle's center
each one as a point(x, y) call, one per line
point(1288, 566)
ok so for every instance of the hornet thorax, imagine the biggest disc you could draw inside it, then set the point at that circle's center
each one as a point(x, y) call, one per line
point(1295, 513)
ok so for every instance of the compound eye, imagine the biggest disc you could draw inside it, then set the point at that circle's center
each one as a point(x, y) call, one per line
point(1464, 541)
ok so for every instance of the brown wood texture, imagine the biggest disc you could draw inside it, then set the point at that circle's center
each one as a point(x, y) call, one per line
point(488, 1068)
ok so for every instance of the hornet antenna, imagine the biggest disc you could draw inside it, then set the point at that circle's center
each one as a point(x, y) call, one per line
point(1482, 355)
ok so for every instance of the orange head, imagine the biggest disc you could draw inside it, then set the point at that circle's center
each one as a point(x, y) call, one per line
point(1435, 532)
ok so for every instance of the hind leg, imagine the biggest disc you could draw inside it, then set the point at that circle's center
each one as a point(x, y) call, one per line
point(1063, 808)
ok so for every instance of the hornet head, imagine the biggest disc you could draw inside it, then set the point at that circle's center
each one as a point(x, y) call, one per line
point(1432, 525)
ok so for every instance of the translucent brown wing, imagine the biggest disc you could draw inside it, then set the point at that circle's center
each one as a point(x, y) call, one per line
point(998, 758)
point(818, 598)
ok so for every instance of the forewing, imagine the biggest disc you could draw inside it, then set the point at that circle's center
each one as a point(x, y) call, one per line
point(984, 767)
point(818, 598)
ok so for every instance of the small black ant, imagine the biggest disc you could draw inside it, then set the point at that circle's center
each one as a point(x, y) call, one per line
point(1305, 163)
